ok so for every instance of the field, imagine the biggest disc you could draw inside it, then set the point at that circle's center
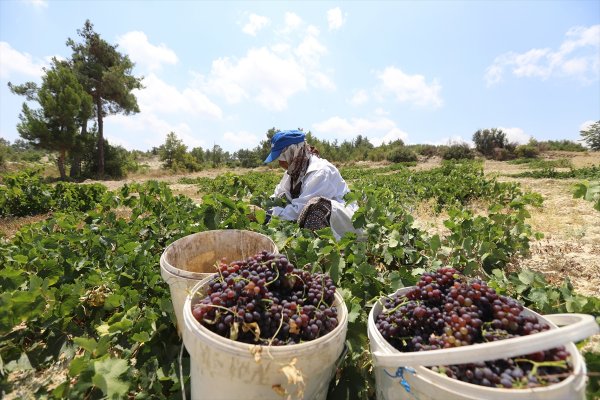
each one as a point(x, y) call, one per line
point(112, 310)
point(571, 244)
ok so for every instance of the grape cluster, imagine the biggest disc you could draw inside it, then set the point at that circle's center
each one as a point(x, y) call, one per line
point(265, 299)
point(444, 310)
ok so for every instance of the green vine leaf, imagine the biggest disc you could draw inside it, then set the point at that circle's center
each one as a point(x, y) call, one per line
point(106, 377)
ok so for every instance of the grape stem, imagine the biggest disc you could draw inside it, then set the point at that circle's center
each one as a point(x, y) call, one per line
point(322, 291)
point(391, 310)
point(212, 322)
point(277, 331)
point(538, 364)
point(277, 277)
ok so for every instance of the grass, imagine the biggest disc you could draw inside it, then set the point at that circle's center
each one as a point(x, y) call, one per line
point(536, 163)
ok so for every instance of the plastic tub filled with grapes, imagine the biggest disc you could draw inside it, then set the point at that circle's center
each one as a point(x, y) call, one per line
point(450, 337)
point(262, 328)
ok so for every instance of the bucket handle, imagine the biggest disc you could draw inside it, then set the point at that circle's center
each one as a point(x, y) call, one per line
point(576, 327)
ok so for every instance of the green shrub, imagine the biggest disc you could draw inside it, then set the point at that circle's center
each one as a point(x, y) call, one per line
point(487, 141)
point(590, 173)
point(536, 163)
point(589, 191)
point(401, 154)
point(558, 145)
point(67, 196)
point(426, 150)
point(429, 150)
point(527, 151)
point(248, 159)
point(118, 162)
point(188, 163)
point(376, 156)
point(458, 152)
point(172, 152)
point(25, 193)
point(3, 155)
point(502, 154)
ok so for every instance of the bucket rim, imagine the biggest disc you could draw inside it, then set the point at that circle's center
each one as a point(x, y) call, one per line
point(164, 258)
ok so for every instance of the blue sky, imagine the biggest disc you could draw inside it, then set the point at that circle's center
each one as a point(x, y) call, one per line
point(425, 72)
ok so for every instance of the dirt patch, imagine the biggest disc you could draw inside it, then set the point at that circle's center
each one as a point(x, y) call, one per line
point(558, 259)
point(188, 190)
point(491, 167)
point(9, 226)
point(578, 159)
point(31, 381)
point(571, 227)
point(427, 163)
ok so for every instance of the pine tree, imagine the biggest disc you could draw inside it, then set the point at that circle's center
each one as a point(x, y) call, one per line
point(591, 136)
point(107, 76)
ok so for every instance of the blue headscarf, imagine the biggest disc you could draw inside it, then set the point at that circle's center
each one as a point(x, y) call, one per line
point(281, 140)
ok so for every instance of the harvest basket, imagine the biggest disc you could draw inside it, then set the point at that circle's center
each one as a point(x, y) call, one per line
point(401, 375)
point(223, 369)
point(192, 258)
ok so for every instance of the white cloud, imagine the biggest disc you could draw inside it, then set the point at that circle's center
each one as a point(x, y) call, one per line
point(292, 22)
point(13, 62)
point(320, 80)
point(335, 19)
point(311, 49)
point(451, 140)
point(527, 64)
point(146, 130)
point(516, 135)
point(312, 30)
point(359, 97)
point(261, 75)
point(409, 88)
point(160, 97)
point(281, 48)
point(493, 73)
point(145, 54)
point(37, 3)
point(241, 140)
point(381, 112)
point(576, 66)
point(255, 24)
point(378, 130)
point(586, 125)
point(578, 56)
point(272, 74)
point(308, 54)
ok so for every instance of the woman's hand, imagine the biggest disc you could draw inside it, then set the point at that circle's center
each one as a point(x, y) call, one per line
point(257, 214)
point(254, 212)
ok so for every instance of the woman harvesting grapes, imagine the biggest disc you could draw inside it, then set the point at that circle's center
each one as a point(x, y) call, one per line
point(313, 187)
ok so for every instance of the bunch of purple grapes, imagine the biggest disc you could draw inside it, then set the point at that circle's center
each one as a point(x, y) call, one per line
point(445, 310)
point(265, 299)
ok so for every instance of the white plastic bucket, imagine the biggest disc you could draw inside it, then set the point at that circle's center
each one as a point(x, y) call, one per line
point(223, 369)
point(404, 375)
point(192, 258)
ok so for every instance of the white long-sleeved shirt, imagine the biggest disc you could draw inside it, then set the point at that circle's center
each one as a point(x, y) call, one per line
point(322, 179)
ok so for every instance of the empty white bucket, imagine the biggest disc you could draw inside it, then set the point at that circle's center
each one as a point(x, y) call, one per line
point(404, 375)
point(192, 258)
point(223, 369)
